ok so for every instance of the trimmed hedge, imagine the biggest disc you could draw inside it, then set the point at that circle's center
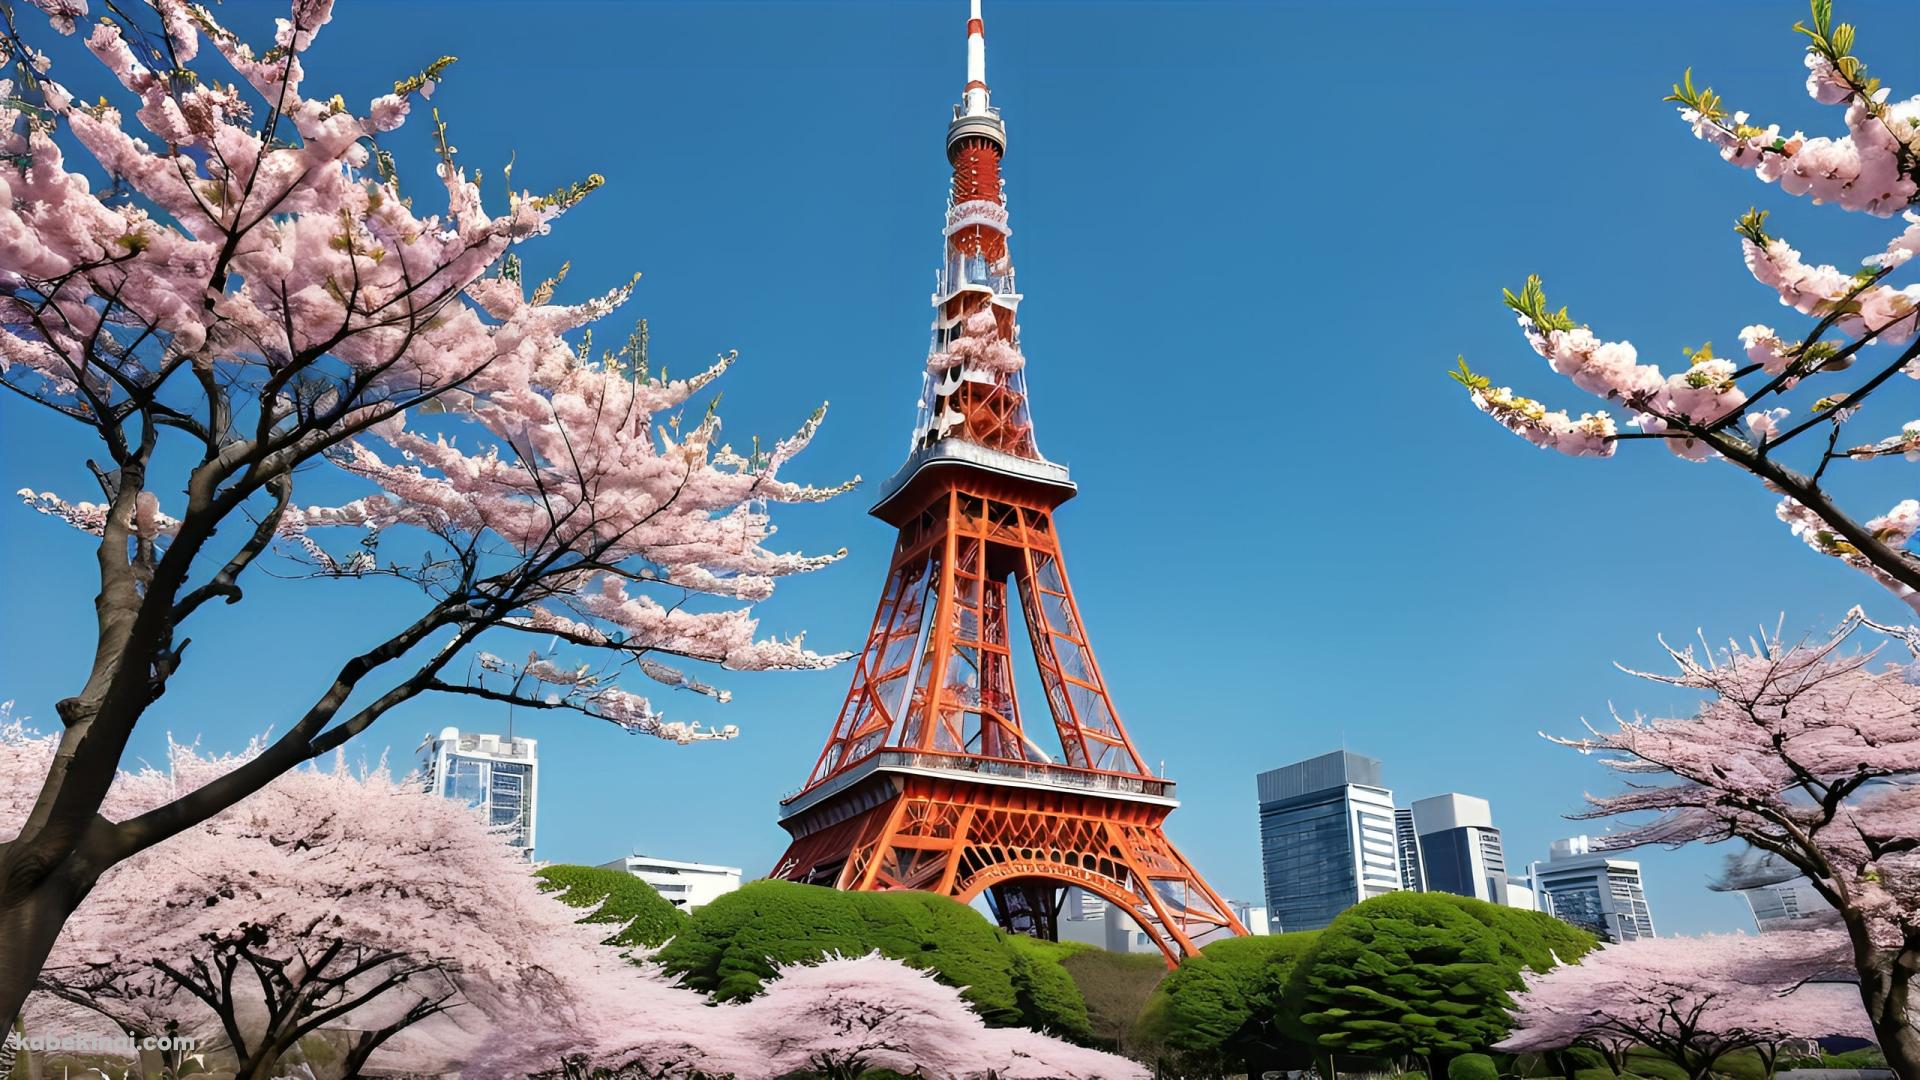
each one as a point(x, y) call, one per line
point(1529, 939)
point(1472, 1067)
point(731, 947)
point(1406, 973)
point(1221, 1011)
point(646, 919)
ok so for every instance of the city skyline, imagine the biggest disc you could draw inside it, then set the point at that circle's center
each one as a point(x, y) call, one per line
point(1194, 672)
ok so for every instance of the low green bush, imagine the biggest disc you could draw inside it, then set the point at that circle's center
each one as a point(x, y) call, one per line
point(646, 919)
point(1472, 1067)
point(732, 946)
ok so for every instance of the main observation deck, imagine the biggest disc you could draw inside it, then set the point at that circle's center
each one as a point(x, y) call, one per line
point(1000, 772)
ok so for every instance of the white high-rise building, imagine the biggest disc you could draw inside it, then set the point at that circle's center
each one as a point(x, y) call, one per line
point(687, 885)
point(1326, 839)
point(1788, 905)
point(1593, 890)
point(1460, 850)
point(501, 775)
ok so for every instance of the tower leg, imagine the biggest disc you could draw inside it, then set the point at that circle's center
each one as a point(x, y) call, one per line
point(1028, 907)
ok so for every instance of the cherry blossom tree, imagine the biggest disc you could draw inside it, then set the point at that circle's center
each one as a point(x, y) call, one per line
point(1782, 412)
point(842, 1017)
point(351, 901)
point(1693, 1000)
point(1809, 756)
point(246, 298)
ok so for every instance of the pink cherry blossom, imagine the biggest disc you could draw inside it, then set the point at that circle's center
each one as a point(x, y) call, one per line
point(1804, 752)
point(1739, 413)
point(844, 1016)
point(1693, 999)
point(278, 344)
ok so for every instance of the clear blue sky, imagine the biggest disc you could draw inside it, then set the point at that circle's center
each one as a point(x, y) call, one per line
point(1252, 237)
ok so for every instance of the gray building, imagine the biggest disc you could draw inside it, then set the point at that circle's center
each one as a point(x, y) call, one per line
point(1593, 890)
point(1460, 850)
point(1326, 839)
point(1406, 842)
point(500, 775)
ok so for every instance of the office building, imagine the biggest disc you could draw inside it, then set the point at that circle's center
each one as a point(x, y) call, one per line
point(1520, 894)
point(1460, 850)
point(498, 774)
point(1593, 890)
point(1788, 905)
point(1326, 839)
point(687, 885)
point(1091, 920)
point(1406, 842)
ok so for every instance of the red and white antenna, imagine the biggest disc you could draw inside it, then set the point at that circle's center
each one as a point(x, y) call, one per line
point(976, 95)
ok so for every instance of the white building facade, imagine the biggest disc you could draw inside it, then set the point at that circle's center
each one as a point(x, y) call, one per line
point(686, 885)
point(1594, 891)
point(498, 774)
point(1789, 905)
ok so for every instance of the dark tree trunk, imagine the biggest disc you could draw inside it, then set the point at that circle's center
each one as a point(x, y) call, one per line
point(30, 922)
point(1886, 986)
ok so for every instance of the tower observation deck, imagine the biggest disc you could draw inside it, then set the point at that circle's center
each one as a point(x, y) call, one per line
point(930, 778)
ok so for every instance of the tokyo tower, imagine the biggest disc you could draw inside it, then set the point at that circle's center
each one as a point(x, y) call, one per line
point(932, 778)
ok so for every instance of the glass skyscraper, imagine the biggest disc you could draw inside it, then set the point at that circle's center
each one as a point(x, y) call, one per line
point(1459, 847)
point(498, 775)
point(1326, 839)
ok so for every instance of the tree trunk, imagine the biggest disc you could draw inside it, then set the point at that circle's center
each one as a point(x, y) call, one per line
point(1886, 983)
point(29, 925)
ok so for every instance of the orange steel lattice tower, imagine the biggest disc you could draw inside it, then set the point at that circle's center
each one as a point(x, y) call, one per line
point(930, 779)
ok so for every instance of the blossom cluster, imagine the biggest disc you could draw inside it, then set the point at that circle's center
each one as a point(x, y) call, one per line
point(321, 315)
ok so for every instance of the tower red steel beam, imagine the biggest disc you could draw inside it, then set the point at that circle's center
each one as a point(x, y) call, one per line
point(930, 778)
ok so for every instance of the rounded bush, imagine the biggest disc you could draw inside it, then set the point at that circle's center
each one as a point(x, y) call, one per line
point(732, 946)
point(1472, 1067)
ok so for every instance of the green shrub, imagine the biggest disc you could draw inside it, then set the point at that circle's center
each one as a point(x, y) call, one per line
point(1529, 939)
point(1653, 1066)
point(645, 917)
point(1472, 1067)
point(1586, 1057)
point(731, 947)
point(1222, 1010)
point(1405, 973)
point(1867, 1057)
point(1115, 987)
point(1042, 987)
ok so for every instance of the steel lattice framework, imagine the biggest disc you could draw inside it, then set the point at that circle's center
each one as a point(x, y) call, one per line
point(931, 779)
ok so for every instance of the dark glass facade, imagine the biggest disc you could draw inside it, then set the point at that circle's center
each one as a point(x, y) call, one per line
point(1307, 854)
point(1312, 815)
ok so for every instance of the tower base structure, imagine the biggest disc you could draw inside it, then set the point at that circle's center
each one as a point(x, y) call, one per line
point(1018, 833)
